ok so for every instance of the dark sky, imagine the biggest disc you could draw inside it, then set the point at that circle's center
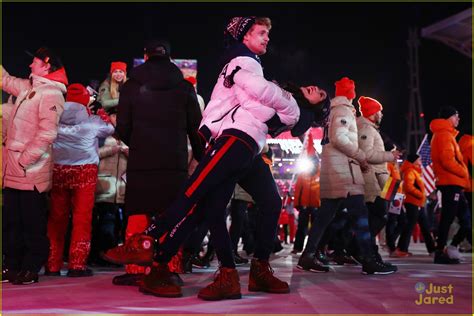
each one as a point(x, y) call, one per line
point(311, 43)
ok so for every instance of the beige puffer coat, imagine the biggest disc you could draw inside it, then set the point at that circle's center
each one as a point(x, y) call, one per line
point(112, 168)
point(340, 170)
point(371, 143)
point(31, 128)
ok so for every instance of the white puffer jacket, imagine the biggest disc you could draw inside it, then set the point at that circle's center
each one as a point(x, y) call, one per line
point(371, 143)
point(340, 170)
point(250, 102)
point(31, 128)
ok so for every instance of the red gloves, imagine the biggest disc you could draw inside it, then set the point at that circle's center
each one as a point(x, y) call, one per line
point(104, 116)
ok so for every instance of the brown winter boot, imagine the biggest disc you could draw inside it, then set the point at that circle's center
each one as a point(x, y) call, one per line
point(138, 249)
point(159, 281)
point(262, 279)
point(226, 285)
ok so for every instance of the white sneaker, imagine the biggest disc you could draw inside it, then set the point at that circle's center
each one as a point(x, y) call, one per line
point(453, 252)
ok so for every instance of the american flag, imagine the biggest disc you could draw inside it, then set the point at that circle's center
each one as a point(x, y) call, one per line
point(427, 172)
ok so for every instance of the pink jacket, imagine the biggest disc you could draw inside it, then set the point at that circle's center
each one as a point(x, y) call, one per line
point(31, 128)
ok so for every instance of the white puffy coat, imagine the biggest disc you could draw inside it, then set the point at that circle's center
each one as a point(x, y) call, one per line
point(31, 128)
point(371, 143)
point(340, 170)
point(250, 102)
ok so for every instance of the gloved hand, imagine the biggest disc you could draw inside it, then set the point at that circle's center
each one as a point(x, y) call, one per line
point(229, 80)
point(104, 116)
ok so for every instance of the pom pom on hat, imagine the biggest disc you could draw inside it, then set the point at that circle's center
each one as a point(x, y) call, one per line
point(76, 92)
point(369, 106)
point(346, 88)
point(118, 65)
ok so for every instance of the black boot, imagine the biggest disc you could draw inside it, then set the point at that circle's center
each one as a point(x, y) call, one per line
point(239, 260)
point(128, 279)
point(371, 265)
point(309, 262)
point(79, 273)
point(321, 256)
point(341, 258)
point(378, 257)
point(8, 275)
point(25, 277)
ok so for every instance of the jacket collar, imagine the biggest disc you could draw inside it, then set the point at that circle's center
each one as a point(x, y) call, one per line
point(238, 49)
point(341, 100)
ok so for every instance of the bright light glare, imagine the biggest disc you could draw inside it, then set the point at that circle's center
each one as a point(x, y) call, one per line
point(304, 165)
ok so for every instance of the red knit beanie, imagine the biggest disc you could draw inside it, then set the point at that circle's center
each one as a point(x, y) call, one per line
point(345, 88)
point(118, 65)
point(76, 92)
point(369, 106)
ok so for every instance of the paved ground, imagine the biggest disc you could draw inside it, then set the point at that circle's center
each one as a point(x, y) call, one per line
point(344, 290)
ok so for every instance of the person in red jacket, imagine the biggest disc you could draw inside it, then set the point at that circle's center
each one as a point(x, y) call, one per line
point(452, 178)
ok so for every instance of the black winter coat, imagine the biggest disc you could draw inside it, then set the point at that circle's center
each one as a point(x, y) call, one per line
point(157, 110)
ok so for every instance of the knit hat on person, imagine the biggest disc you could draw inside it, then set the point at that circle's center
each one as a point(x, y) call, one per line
point(346, 88)
point(412, 157)
point(48, 56)
point(76, 92)
point(157, 47)
point(118, 65)
point(369, 106)
point(447, 111)
point(239, 26)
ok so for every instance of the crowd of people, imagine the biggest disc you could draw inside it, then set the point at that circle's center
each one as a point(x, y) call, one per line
point(146, 177)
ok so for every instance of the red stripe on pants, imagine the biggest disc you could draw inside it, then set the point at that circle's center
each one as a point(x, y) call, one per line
point(209, 166)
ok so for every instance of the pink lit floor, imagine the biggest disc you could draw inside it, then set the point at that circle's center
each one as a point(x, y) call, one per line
point(344, 290)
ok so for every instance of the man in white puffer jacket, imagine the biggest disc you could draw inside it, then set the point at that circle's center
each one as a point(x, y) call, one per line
point(235, 121)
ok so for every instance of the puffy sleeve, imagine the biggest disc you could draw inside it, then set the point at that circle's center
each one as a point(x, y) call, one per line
point(339, 135)
point(50, 109)
point(268, 94)
point(13, 85)
point(367, 138)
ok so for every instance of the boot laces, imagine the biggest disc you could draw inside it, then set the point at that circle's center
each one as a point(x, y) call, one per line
point(221, 279)
point(266, 272)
